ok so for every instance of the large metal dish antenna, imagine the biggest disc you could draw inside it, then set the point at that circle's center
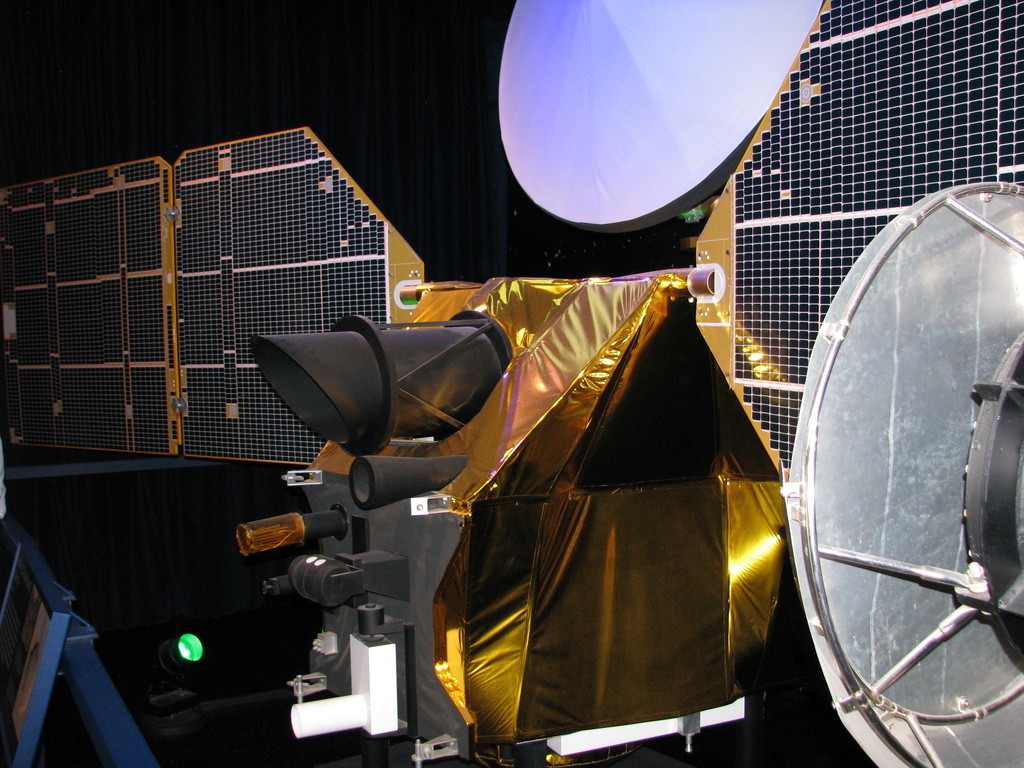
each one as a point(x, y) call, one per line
point(915, 634)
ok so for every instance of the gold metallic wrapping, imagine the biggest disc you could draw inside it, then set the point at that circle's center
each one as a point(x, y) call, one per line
point(623, 552)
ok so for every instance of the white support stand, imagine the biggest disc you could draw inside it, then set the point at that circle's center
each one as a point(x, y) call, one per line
point(373, 704)
point(599, 738)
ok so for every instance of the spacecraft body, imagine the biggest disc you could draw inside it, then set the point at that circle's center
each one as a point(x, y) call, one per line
point(612, 551)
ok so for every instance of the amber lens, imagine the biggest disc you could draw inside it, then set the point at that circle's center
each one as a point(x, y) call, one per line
point(270, 533)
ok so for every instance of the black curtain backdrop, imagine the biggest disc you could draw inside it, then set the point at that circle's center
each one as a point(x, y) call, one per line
point(139, 548)
point(539, 245)
point(403, 94)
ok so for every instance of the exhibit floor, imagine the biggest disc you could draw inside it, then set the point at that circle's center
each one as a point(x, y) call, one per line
point(245, 703)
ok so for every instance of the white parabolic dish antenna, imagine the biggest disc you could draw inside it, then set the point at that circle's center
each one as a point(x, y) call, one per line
point(618, 114)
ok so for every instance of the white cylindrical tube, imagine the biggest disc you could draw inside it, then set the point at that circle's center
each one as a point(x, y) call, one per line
point(342, 713)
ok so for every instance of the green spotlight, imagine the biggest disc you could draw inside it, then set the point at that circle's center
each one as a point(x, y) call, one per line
point(178, 654)
point(190, 647)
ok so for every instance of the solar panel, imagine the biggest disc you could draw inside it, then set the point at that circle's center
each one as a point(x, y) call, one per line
point(273, 237)
point(887, 102)
point(88, 308)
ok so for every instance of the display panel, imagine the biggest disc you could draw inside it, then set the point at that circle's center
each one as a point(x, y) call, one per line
point(273, 238)
point(40, 637)
point(88, 310)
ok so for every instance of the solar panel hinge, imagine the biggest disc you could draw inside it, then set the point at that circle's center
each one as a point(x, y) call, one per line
point(172, 213)
point(179, 405)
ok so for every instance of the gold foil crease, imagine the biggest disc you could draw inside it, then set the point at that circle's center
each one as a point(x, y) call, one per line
point(524, 307)
point(558, 376)
point(438, 304)
point(500, 569)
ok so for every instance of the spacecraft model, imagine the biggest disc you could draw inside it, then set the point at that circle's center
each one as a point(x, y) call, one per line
point(554, 518)
point(857, 288)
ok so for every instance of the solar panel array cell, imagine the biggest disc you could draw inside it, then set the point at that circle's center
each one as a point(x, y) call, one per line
point(890, 102)
point(273, 238)
point(86, 355)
